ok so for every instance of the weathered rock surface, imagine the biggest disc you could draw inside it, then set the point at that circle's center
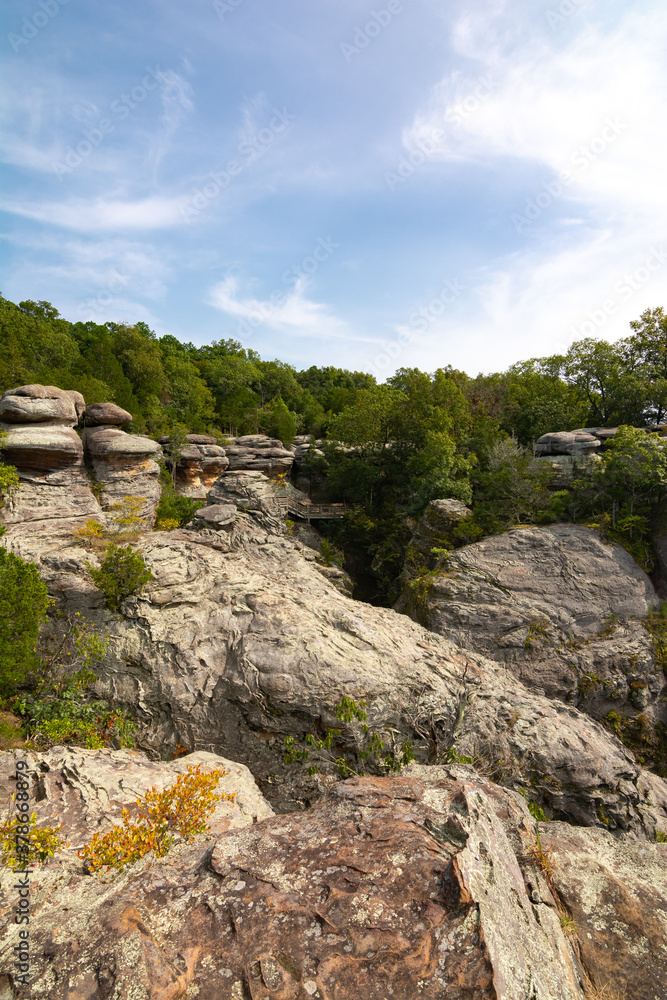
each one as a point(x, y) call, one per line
point(198, 468)
point(199, 464)
point(239, 641)
point(40, 449)
point(259, 453)
point(616, 894)
point(438, 520)
point(559, 608)
point(30, 404)
point(85, 791)
point(125, 465)
point(250, 492)
point(217, 516)
point(567, 443)
point(412, 886)
point(100, 414)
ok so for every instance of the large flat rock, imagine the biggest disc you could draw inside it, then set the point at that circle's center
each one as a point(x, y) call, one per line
point(403, 887)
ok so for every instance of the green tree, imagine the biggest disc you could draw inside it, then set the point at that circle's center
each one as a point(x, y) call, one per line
point(24, 601)
point(633, 472)
point(282, 424)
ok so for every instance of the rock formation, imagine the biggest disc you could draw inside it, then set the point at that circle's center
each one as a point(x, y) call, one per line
point(199, 464)
point(562, 610)
point(259, 453)
point(430, 884)
point(54, 497)
point(124, 465)
point(85, 791)
point(239, 641)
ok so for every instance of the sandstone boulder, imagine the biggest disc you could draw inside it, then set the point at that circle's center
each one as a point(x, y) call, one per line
point(217, 516)
point(417, 886)
point(259, 453)
point(125, 465)
point(41, 449)
point(250, 492)
point(559, 608)
point(31, 404)
point(576, 443)
point(100, 414)
point(438, 520)
point(201, 439)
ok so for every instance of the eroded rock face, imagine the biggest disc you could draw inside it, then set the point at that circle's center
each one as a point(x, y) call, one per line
point(259, 453)
point(567, 443)
point(251, 493)
point(401, 887)
point(561, 609)
point(217, 516)
point(615, 893)
point(239, 641)
point(438, 520)
point(199, 464)
point(40, 449)
point(125, 465)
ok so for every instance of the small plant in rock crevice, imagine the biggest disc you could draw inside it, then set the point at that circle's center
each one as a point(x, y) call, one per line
point(178, 812)
point(353, 749)
point(19, 848)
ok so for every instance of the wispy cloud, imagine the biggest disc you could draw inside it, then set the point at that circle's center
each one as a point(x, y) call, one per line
point(154, 212)
point(287, 311)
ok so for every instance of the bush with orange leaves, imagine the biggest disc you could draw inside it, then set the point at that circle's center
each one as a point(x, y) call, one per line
point(179, 811)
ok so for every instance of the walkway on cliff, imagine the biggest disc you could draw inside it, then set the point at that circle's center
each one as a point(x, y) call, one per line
point(308, 511)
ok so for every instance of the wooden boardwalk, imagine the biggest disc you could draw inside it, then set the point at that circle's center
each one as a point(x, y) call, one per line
point(313, 511)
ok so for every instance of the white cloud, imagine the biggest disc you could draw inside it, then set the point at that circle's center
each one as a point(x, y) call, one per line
point(287, 311)
point(103, 213)
point(589, 104)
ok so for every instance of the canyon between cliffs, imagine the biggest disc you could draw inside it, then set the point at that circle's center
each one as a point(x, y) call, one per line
point(424, 884)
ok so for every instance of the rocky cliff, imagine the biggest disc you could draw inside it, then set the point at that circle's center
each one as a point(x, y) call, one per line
point(409, 886)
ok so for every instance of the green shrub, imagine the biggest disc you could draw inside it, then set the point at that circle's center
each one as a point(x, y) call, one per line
point(173, 507)
point(353, 749)
point(122, 574)
point(59, 708)
point(23, 603)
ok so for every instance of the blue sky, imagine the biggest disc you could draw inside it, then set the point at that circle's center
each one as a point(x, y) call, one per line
point(406, 183)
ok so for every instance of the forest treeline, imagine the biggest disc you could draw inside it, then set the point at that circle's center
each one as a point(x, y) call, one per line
point(419, 436)
point(226, 386)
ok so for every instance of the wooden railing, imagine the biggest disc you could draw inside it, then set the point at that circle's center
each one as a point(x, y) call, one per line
point(313, 511)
